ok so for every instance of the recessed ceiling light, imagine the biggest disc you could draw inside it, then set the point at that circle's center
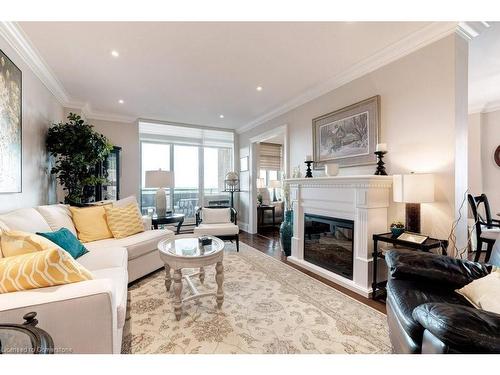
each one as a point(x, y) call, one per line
point(115, 53)
point(221, 116)
point(121, 101)
point(259, 88)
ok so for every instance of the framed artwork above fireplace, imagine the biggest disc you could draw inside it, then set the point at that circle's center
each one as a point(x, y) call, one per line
point(347, 136)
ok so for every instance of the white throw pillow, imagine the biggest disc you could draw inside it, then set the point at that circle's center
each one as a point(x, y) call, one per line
point(57, 216)
point(216, 215)
point(484, 293)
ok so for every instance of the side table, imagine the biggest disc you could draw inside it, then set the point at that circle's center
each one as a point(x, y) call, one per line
point(262, 209)
point(169, 219)
point(378, 288)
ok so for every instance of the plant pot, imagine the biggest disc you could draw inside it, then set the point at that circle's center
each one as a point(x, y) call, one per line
point(286, 233)
point(396, 232)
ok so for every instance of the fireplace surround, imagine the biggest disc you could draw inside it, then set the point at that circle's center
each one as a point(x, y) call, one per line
point(364, 200)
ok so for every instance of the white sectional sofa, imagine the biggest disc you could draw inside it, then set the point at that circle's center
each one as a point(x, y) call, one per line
point(84, 317)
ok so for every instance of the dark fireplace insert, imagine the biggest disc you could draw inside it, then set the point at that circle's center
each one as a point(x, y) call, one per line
point(328, 243)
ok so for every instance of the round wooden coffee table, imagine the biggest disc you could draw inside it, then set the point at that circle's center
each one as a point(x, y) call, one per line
point(185, 251)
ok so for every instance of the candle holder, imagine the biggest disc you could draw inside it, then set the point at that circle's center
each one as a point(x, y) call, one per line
point(380, 163)
point(308, 169)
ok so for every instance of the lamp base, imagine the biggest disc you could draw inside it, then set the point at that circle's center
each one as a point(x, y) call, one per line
point(161, 203)
point(413, 217)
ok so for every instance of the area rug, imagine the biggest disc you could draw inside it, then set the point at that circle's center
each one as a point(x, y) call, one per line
point(269, 307)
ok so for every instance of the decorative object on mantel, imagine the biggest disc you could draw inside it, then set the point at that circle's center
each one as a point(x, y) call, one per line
point(497, 156)
point(11, 126)
point(397, 228)
point(380, 151)
point(296, 172)
point(331, 169)
point(78, 150)
point(347, 136)
point(232, 185)
point(308, 162)
point(413, 189)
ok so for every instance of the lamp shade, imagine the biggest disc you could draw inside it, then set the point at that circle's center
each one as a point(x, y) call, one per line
point(275, 184)
point(159, 179)
point(413, 188)
point(260, 183)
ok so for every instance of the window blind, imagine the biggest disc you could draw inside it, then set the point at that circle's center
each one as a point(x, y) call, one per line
point(270, 156)
point(181, 134)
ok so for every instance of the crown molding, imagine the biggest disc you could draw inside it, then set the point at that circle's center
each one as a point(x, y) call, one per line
point(90, 114)
point(405, 46)
point(18, 40)
point(486, 108)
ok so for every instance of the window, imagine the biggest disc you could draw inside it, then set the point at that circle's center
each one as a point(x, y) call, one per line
point(200, 159)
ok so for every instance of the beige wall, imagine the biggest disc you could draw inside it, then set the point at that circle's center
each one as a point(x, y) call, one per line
point(418, 122)
point(40, 109)
point(125, 135)
point(474, 155)
point(490, 140)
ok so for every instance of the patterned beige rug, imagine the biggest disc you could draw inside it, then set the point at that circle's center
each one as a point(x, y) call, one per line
point(269, 307)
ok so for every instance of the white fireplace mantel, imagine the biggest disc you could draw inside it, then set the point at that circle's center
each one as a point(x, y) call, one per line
point(362, 199)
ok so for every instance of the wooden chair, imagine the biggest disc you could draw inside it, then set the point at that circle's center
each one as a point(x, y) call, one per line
point(487, 229)
point(220, 222)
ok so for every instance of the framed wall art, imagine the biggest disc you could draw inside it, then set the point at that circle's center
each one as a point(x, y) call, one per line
point(347, 136)
point(10, 126)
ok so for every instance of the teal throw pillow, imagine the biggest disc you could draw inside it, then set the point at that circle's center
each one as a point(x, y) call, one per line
point(66, 241)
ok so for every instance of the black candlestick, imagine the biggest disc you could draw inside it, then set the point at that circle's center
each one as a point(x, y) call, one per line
point(308, 169)
point(380, 163)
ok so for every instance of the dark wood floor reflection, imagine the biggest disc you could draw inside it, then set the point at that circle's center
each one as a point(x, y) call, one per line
point(267, 241)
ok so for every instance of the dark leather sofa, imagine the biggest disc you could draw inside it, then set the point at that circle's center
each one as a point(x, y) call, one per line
point(424, 312)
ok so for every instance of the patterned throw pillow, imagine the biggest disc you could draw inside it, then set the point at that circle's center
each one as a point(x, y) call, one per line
point(39, 270)
point(124, 221)
point(16, 242)
point(90, 223)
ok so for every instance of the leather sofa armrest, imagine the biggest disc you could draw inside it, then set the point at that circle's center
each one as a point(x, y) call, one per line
point(463, 329)
point(440, 269)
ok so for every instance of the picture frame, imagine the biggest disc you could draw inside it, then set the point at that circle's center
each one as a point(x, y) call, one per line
point(347, 136)
point(413, 237)
point(244, 164)
point(11, 146)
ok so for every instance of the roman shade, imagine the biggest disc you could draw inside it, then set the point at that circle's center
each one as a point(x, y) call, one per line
point(270, 156)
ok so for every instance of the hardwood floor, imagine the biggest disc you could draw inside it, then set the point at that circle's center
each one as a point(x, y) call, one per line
point(267, 241)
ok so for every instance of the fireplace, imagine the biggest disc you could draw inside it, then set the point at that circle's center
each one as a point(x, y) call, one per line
point(328, 243)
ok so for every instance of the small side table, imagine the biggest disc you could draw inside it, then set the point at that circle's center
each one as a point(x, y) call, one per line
point(25, 338)
point(169, 219)
point(262, 209)
point(378, 288)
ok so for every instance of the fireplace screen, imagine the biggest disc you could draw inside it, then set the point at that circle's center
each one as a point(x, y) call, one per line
point(328, 243)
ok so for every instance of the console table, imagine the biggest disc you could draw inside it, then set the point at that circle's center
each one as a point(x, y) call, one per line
point(378, 288)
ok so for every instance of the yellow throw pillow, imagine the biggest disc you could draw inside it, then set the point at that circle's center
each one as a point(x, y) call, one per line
point(90, 223)
point(124, 221)
point(16, 242)
point(39, 270)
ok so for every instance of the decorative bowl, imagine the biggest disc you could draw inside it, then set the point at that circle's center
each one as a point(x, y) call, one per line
point(396, 232)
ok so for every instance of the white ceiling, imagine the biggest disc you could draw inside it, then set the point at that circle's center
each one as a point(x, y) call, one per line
point(193, 72)
point(484, 70)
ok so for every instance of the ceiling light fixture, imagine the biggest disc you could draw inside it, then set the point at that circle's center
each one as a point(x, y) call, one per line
point(121, 101)
point(115, 53)
point(221, 116)
point(259, 88)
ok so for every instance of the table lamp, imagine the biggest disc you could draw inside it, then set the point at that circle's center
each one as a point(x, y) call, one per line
point(160, 179)
point(274, 184)
point(413, 189)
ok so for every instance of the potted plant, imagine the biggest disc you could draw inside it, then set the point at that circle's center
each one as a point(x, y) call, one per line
point(77, 150)
point(397, 228)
